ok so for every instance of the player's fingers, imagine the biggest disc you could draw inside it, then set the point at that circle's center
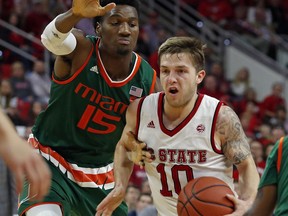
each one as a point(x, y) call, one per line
point(98, 213)
point(232, 198)
point(146, 154)
point(142, 145)
point(106, 213)
point(33, 176)
point(109, 7)
point(44, 176)
point(19, 179)
point(141, 164)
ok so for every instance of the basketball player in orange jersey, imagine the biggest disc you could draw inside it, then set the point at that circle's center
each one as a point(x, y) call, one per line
point(22, 161)
point(188, 135)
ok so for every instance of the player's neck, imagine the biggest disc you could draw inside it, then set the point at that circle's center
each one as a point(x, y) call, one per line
point(117, 67)
point(173, 116)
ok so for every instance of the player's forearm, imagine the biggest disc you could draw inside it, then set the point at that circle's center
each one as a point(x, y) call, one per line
point(66, 21)
point(122, 166)
point(7, 130)
point(8, 136)
point(248, 180)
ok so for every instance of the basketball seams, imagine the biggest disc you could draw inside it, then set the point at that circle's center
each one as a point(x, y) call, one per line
point(192, 199)
point(189, 200)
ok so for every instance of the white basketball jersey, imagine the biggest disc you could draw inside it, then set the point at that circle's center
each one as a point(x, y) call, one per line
point(186, 152)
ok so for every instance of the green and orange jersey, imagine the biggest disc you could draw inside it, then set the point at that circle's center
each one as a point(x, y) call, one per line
point(275, 173)
point(86, 113)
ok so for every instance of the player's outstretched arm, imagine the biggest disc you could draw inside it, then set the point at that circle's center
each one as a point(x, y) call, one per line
point(71, 47)
point(22, 161)
point(236, 148)
point(123, 166)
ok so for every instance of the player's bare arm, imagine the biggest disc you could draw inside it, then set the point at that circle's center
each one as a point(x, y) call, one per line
point(123, 165)
point(236, 148)
point(59, 38)
point(265, 201)
point(233, 139)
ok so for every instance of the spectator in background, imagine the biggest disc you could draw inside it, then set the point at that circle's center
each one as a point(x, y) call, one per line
point(131, 197)
point(218, 11)
point(257, 151)
point(13, 37)
point(271, 102)
point(21, 86)
point(34, 23)
point(257, 10)
point(240, 83)
point(34, 111)
point(37, 18)
point(250, 119)
point(143, 201)
point(145, 187)
point(40, 82)
point(276, 134)
point(6, 8)
point(264, 134)
point(277, 13)
point(151, 28)
point(217, 70)
point(142, 46)
point(150, 210)
point(9, 103)
point(259, 33)
point(210, 87)
point(250, 95)
point(267, 150)
point(280, 118)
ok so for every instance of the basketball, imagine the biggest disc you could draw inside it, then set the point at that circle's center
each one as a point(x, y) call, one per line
point(205, 196)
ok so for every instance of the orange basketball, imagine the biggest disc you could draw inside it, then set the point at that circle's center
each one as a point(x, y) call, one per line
point(205, 196)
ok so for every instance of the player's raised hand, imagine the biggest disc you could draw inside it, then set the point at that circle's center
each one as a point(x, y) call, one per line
point(137, 151)
point(90, 8)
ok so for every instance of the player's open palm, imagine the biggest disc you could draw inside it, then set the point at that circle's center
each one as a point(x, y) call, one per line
point(90, 8)
point(111, 202)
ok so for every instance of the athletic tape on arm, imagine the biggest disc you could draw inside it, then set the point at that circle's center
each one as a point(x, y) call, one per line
point(57, 42)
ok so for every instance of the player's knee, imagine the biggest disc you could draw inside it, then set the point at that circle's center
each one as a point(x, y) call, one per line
point(45, 210)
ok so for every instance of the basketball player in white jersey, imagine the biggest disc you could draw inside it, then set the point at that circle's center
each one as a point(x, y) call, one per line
point(188, 135)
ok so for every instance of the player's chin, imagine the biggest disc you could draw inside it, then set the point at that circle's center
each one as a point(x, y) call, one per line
point(124, 50)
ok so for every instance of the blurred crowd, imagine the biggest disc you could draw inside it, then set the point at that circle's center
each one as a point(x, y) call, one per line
point(25, 86)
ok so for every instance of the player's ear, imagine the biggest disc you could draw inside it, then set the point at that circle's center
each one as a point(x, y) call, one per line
point(98, 29)
point(200, 76)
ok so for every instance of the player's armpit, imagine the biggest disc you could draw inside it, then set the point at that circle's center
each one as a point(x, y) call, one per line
point(233, 139)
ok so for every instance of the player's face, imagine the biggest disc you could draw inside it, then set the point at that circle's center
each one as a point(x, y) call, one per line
point(179, 78)
point(119, 30)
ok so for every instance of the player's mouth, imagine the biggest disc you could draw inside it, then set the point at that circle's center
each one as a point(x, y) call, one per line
point(173, 90)
point(123, 41)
